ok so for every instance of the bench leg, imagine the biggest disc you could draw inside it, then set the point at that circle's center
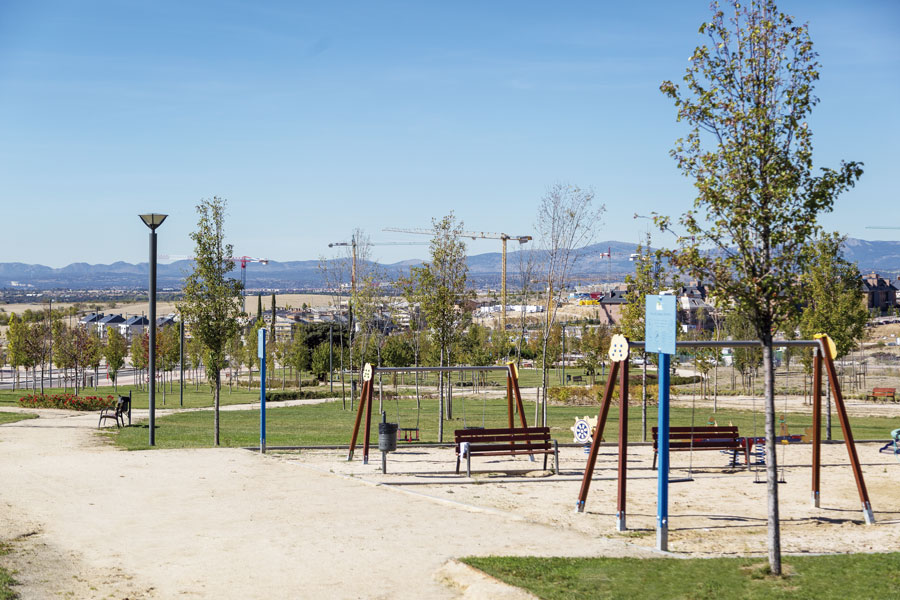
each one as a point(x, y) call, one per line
point(545, 461)
point(556, 456)
point(457, 464)
point(653, 468)
point(468, 464)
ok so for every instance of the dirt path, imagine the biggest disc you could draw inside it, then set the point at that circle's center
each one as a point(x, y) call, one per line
point(94, 522)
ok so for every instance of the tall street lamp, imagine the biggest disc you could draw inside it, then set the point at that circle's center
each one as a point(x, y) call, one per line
point(153, 221)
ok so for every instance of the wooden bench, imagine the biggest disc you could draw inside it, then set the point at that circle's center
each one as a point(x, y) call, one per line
point(505, 442)
point(704, 438)
point(117, 412)
point(884, 393)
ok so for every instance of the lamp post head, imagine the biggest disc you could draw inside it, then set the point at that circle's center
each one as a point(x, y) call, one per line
point(153, 220)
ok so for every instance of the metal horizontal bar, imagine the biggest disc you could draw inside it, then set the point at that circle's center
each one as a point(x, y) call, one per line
point(733, 343)
point(434, 369)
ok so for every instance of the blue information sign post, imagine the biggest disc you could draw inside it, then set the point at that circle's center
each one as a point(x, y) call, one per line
point(261, 353)
point(659, 336)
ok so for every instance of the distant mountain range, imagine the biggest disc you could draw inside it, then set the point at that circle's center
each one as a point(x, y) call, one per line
point(603, 261)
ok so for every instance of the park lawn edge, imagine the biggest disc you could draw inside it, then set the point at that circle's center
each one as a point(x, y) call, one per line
point(838, 576)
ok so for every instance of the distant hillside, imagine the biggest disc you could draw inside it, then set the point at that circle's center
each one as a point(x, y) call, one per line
point(484, 269)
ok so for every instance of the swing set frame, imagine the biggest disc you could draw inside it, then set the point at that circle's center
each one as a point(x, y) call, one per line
point(821, 357)
point(513, 395)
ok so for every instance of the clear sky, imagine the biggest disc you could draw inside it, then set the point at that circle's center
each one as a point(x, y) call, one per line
point(315, 118)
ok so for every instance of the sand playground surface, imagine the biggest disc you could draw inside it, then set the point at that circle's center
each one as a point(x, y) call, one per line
point(86, 520)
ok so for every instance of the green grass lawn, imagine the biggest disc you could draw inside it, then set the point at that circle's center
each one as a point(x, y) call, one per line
point(6, 579)
point(328, 423)
point(7, 417)
point(839, 577)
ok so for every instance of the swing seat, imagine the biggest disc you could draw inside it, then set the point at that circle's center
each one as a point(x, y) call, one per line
point(410, 434)
point(704, 438)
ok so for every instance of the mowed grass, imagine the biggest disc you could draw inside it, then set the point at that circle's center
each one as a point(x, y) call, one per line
point(329, 424)
point(835, 577)
point(8, 417)
point(6, 579)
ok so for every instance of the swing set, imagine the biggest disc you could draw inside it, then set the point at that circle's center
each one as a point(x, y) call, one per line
point(513, 398)
point(824, 353)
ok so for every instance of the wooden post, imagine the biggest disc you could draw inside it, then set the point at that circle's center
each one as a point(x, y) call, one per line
point(623, 445)
point(514, 375)
point(369, 392)
point(359, 413)
point(848, 435)
point(509, 399)
point(817, 425)
point(598, 435)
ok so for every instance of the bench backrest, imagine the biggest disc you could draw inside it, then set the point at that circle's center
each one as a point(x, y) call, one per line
point(884, 391)
point(700, 437)
point(529, 436)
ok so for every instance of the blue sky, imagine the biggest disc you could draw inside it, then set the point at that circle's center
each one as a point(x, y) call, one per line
point(315, 118)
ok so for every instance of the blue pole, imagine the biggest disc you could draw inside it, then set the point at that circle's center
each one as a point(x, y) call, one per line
point(261, 352)
point(662, 494)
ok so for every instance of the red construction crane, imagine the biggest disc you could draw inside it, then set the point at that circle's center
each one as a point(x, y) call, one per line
point(243, 260)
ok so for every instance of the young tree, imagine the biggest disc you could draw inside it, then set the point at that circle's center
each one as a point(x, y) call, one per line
point(16, 344)
point(115, 351)
point(833, 301)
point(649, 278)
point(212, 303)
point(442, 294)
point(566, 222)
point(140, 356)
point(749, 151)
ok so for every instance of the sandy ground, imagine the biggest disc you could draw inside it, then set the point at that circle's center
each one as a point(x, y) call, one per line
point(88, 521)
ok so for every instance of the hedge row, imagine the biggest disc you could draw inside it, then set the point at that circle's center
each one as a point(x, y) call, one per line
point(67, 401)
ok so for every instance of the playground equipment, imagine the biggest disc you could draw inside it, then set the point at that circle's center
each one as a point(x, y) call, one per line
point(894, 445)
point(513, 394)
point(823, 357)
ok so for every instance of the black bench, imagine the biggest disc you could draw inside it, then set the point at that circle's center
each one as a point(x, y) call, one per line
point(704, 438)
point(117, 412)
point(884, 393)
point(505, 442)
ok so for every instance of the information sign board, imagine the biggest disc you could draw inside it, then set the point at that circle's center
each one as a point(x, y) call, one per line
point(659, 324)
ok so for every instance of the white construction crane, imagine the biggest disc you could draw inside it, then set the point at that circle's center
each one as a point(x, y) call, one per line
point(481, 235)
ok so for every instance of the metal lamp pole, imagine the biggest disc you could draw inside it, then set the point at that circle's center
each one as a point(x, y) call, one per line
point(153, 221)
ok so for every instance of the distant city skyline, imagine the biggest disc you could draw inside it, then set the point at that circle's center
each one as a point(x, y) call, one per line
point(313, 120)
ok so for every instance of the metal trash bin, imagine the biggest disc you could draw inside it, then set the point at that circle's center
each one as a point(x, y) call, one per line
point(387, 437)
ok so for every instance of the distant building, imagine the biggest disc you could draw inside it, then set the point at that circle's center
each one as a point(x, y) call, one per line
point(881, 294)
point(108, 321)
point(133, 326)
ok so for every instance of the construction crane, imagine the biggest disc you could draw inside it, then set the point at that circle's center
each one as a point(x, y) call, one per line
point(244, 260)
point(481, 235)
point(353, 245)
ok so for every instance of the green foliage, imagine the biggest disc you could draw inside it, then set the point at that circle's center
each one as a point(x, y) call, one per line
point(649, 278)
point(319, 361)
point(832, 297)
point(212, 304)
point(440, 286)
point(749, 151)
point(397, 352)
point(115, 351)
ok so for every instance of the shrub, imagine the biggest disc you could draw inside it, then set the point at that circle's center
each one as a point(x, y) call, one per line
point(280, 396)
point(67, 402)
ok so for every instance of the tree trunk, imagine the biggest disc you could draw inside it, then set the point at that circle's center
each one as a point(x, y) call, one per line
point(774, 527)
point(441, 401)
point(217, 387)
